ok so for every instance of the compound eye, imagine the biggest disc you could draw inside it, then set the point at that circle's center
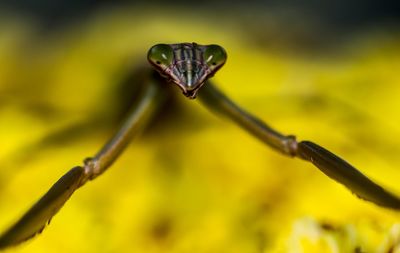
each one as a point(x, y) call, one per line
point(215, 56)
point(161, 55)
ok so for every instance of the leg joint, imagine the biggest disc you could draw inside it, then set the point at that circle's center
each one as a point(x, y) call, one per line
point(91, 167)
point(290, 145)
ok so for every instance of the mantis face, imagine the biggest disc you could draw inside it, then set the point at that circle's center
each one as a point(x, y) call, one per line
point(188, 65)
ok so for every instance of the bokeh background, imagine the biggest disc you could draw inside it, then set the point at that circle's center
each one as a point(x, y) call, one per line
point(325, 71)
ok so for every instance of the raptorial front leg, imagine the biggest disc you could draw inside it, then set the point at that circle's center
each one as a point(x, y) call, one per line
point(330, 164)
point(36, 218)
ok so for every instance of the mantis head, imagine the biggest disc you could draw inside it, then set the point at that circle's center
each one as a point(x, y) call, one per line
point(188, 65)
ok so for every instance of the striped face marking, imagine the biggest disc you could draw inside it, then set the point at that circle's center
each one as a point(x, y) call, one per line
point(188, 65)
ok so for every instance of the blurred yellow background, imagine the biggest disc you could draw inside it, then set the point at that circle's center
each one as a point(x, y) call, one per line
point(199, 183)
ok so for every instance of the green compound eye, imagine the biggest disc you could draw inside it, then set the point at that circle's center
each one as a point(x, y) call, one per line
point(161, 55)
point(215, 56)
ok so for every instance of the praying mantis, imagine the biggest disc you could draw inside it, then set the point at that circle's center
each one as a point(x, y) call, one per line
point(189, 66)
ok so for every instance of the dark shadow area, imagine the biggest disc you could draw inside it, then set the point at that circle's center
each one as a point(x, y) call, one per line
point(340, 13)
